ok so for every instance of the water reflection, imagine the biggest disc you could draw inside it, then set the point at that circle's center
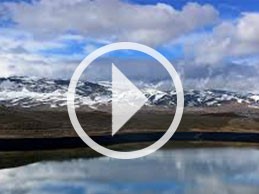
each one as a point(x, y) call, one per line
point(168, 171)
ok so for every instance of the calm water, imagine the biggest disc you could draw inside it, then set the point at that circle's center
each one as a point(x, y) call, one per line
point(171, 171)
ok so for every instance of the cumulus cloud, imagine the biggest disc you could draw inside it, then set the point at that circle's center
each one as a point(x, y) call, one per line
point(19, 56)
point(225, 57)
point(34, 65)
point(239, 76)
point(111, 20)
point(237, 38)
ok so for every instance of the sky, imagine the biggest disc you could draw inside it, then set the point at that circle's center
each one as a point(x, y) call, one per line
point(212, 44)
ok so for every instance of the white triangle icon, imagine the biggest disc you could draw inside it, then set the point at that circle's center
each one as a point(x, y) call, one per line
point(127, 99)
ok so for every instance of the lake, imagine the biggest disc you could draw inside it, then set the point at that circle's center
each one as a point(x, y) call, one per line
point(200, 170)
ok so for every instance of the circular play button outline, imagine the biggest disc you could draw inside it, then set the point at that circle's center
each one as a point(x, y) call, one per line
point(125, 46)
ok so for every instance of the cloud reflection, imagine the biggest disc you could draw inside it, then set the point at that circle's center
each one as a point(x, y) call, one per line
point(169, 171)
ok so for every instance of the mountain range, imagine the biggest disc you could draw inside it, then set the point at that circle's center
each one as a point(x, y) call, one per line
point(27, 92)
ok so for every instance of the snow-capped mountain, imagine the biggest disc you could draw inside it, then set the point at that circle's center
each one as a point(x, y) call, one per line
point(32, 92)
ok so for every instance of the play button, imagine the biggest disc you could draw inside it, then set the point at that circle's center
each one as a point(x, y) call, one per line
point(127, 99)
point(124, 107)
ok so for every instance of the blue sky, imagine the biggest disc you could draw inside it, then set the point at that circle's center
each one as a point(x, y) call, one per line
point(213, 44)
point(222, 5)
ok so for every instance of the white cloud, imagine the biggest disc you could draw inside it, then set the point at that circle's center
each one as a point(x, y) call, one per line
point(19, 56)
point(229, 39)
point(111, 20)
point(12, 39)
point(248, 28)
point(35, 65)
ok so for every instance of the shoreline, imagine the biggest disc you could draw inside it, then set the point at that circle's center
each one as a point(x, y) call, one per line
point(54, 143)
